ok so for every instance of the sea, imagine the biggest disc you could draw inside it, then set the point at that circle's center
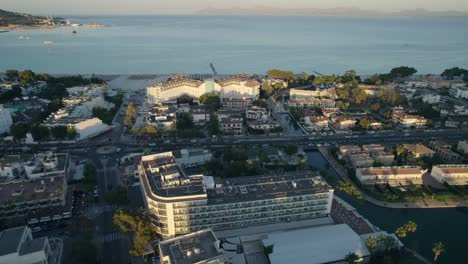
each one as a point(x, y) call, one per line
point(237, 44)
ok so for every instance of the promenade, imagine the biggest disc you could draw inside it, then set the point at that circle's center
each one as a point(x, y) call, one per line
point(341, 171)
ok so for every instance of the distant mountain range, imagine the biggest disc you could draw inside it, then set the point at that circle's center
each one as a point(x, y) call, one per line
point(344, 11)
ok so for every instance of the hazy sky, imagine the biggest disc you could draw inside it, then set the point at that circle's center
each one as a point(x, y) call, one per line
point(54, 7)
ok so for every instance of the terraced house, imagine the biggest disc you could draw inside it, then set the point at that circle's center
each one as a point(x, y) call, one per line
point(182, 203)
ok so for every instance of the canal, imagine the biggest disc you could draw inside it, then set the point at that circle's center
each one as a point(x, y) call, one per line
point(447, 225)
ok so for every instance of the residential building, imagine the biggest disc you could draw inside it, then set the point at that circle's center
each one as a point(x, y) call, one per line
point(343, 122)
point(230, 113)
point(385, 158)
point(231, 125)
point(17, 246)
point(463, 147)
point(445, 151)
point(297, 93)
point(315, 123)
point(273, 81)
point(5, 120)
point(393, 176)
point(459, 91)
point(344, 150)
point(451, 174)
point(256, 113)
point(360, 159)
point(405, 120)
point(161, 117)
point(430, 98)
point(311, 102)
point(30, 183)
point(418, 150)
point(373, 148)
point(200, 115)
point(265, 125)
point(192, 157)
point(181, 203)
point(236, 103)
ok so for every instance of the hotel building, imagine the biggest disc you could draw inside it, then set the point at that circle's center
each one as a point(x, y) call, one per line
point(181, 203)
point(169, 91)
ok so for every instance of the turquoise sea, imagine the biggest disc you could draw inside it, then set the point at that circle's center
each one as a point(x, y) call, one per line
point(187, 44)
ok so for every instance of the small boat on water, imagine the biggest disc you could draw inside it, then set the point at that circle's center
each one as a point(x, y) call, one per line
point(48, 42)
point(21, 37)
point(4, 31)
point(74, 32)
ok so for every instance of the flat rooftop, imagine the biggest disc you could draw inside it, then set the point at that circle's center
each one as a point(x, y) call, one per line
point(29, 190)
point(453, 169)
point(330, 244)
point(197, 247)
point(251, 188)
point(227, 190)
point(390, 170)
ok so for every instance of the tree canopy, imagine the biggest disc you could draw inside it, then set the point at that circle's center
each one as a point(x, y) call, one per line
point(280, 74)
point(454, 72)
point(212, 101)
point(402, 71)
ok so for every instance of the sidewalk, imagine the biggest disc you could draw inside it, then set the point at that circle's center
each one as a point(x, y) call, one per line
point(423, 204)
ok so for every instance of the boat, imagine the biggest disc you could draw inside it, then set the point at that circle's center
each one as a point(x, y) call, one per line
point(21, 37)
point(4, 31)
point(27, 38)
point(74, 32)
point(48, 42)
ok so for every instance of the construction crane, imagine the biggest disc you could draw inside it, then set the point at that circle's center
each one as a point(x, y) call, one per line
point(213, 69)
point(318, 73)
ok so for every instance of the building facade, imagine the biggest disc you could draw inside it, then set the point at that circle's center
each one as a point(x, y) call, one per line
point(17, 246)
point(180, 204)
point(451, 174)
point(5, 120)
point(393, 176)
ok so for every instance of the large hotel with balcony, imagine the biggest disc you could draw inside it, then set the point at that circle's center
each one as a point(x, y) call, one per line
point(169, 91)
point(182, 203)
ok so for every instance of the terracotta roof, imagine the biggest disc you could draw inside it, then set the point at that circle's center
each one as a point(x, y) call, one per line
point(453, 169)
point(390, 171)
point(418, 149)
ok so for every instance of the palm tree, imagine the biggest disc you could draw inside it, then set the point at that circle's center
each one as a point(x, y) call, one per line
point(400, 232)
point(438, 248)
point(372, 243)
point(411, 227)
point(352, 258)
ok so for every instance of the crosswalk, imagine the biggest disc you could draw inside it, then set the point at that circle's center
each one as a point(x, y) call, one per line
point(100, 209)
point(107, 238)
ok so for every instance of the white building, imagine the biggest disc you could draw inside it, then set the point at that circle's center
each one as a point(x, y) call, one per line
point(84, 127)
point(315, 123)
point(256, 113)
point(264, 125)
point(405, 120)
point(463, 146)
point(430, 98)
point(5, 120)
point(394, 176)
point(451, 174)
point(229, 88)
point(17, 246)
point(296, 93)
point(181, 203)
point(459, 91)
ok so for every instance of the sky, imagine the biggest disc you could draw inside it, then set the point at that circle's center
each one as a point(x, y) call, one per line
point(129, 7)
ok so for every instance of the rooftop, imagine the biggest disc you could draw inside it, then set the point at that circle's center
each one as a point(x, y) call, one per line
point(453, 169)
point(28, 190)
point(197, 247)
point(390, 170)
point(330, 244)
point(10, 240)
point(166, 179)
point(32, 246)
point(418, 149)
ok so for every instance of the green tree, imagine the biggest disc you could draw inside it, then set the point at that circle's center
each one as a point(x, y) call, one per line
point(131, 110)
point(358, 95)
point(375, 107)
point(151, 130)
point(400, 232)
point(372, 244)
point(139, 226)
point(39, 132)
point(411, 227)
point(11, 74)
point(90, 174)
point(291, 150)
point(280, 74)
point(454, 72)
point(128, 121)
point(438, 248)
point(59, 132)
point(352, 258)
point(19, 130)
point(373, 80)
point(364, 123)
point(402, 71)
point(213, 125)
point(26, 77)
point(71, 132)
point(212, 101)
point(117, 196)
point(185, 121)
